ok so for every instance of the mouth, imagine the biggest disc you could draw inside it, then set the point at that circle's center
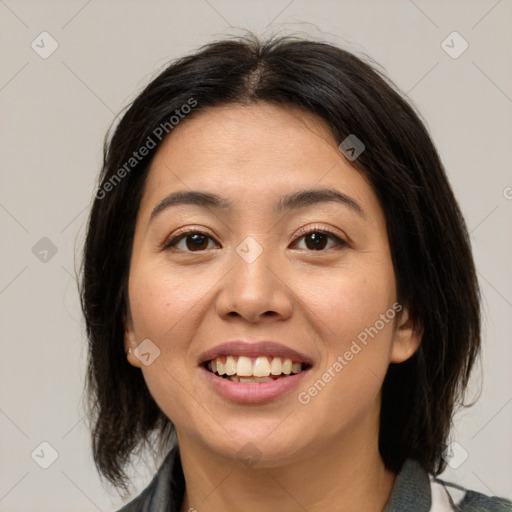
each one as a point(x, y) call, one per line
point(259, 369)
point(254, 372)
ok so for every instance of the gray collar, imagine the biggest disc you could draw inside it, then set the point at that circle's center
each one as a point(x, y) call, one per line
point(411, 491)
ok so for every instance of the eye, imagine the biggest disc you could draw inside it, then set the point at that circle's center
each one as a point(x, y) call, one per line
point(316, 239)
point(197, 241)
point(194, 241)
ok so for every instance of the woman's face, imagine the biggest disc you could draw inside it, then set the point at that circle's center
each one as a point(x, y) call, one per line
point(251, 275)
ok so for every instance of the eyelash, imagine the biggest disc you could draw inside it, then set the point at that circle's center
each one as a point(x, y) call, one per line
point(170, 243)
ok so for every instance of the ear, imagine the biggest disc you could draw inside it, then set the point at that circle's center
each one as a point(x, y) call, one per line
point(130, 342)
point(407, 338)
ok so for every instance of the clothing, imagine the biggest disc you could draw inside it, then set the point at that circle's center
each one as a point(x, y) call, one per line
point(414, 491)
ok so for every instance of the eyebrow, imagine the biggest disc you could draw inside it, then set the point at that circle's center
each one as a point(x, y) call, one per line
point(299, 199)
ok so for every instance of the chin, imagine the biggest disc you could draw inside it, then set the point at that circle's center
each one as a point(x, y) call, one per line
point(259, 449)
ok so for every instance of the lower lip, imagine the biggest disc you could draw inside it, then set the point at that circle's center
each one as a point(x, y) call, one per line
point(252, 392)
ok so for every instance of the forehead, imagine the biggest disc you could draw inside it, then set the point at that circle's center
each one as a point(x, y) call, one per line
point(236, 133)
point(252, 154)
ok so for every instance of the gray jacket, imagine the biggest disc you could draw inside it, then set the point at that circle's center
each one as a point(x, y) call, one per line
point(414, 491)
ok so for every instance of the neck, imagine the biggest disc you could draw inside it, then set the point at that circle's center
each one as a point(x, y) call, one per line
point(336, 477)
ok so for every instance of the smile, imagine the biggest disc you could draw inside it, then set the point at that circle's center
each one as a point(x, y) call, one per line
point(254, 369)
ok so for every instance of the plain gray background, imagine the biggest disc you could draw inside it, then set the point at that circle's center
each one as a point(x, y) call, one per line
point(55, 112)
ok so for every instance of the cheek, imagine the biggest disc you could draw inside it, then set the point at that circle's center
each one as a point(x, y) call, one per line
point(349, 302)
point(168, 308)
point(344, 392)
point(162, 309)
point(163, 305)
point(355, 324)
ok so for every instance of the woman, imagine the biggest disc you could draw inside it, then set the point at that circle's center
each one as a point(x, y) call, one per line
point(279, 290)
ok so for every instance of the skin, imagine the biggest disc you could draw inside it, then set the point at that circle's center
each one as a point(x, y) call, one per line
point(322, 456)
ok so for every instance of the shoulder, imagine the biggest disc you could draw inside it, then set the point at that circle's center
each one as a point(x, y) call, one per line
point(416, 490)
point(164, 492)
point(141, 502)
point(465, 500)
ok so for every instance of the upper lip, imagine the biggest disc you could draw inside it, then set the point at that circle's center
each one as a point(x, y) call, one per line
point(254, 349)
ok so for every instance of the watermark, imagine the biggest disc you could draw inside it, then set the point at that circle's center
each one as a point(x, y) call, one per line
point(342, 360)
point(455, 455)
point(507, 192)
point(249, 250)
point(44, 455)
point(249, 455)
point(150, 143)
point(146, 352)
point(44, 250)
point(352, 147)
point(454, 45)
point(44, 45)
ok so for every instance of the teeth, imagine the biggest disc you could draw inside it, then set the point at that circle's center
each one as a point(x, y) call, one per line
point(248, 380)
point(244, 369)
point(261, 367)
point(221, 367)
point(276, 366)
point(296, 367)
point(230, 366)
point(234, 378)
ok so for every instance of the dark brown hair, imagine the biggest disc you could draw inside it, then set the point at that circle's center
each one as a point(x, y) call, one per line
point(429, 242)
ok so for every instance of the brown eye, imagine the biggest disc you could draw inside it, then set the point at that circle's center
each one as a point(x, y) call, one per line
point(316, 240)
point(194, 241)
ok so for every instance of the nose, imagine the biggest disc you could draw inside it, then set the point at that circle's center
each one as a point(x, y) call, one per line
point(255, 288)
